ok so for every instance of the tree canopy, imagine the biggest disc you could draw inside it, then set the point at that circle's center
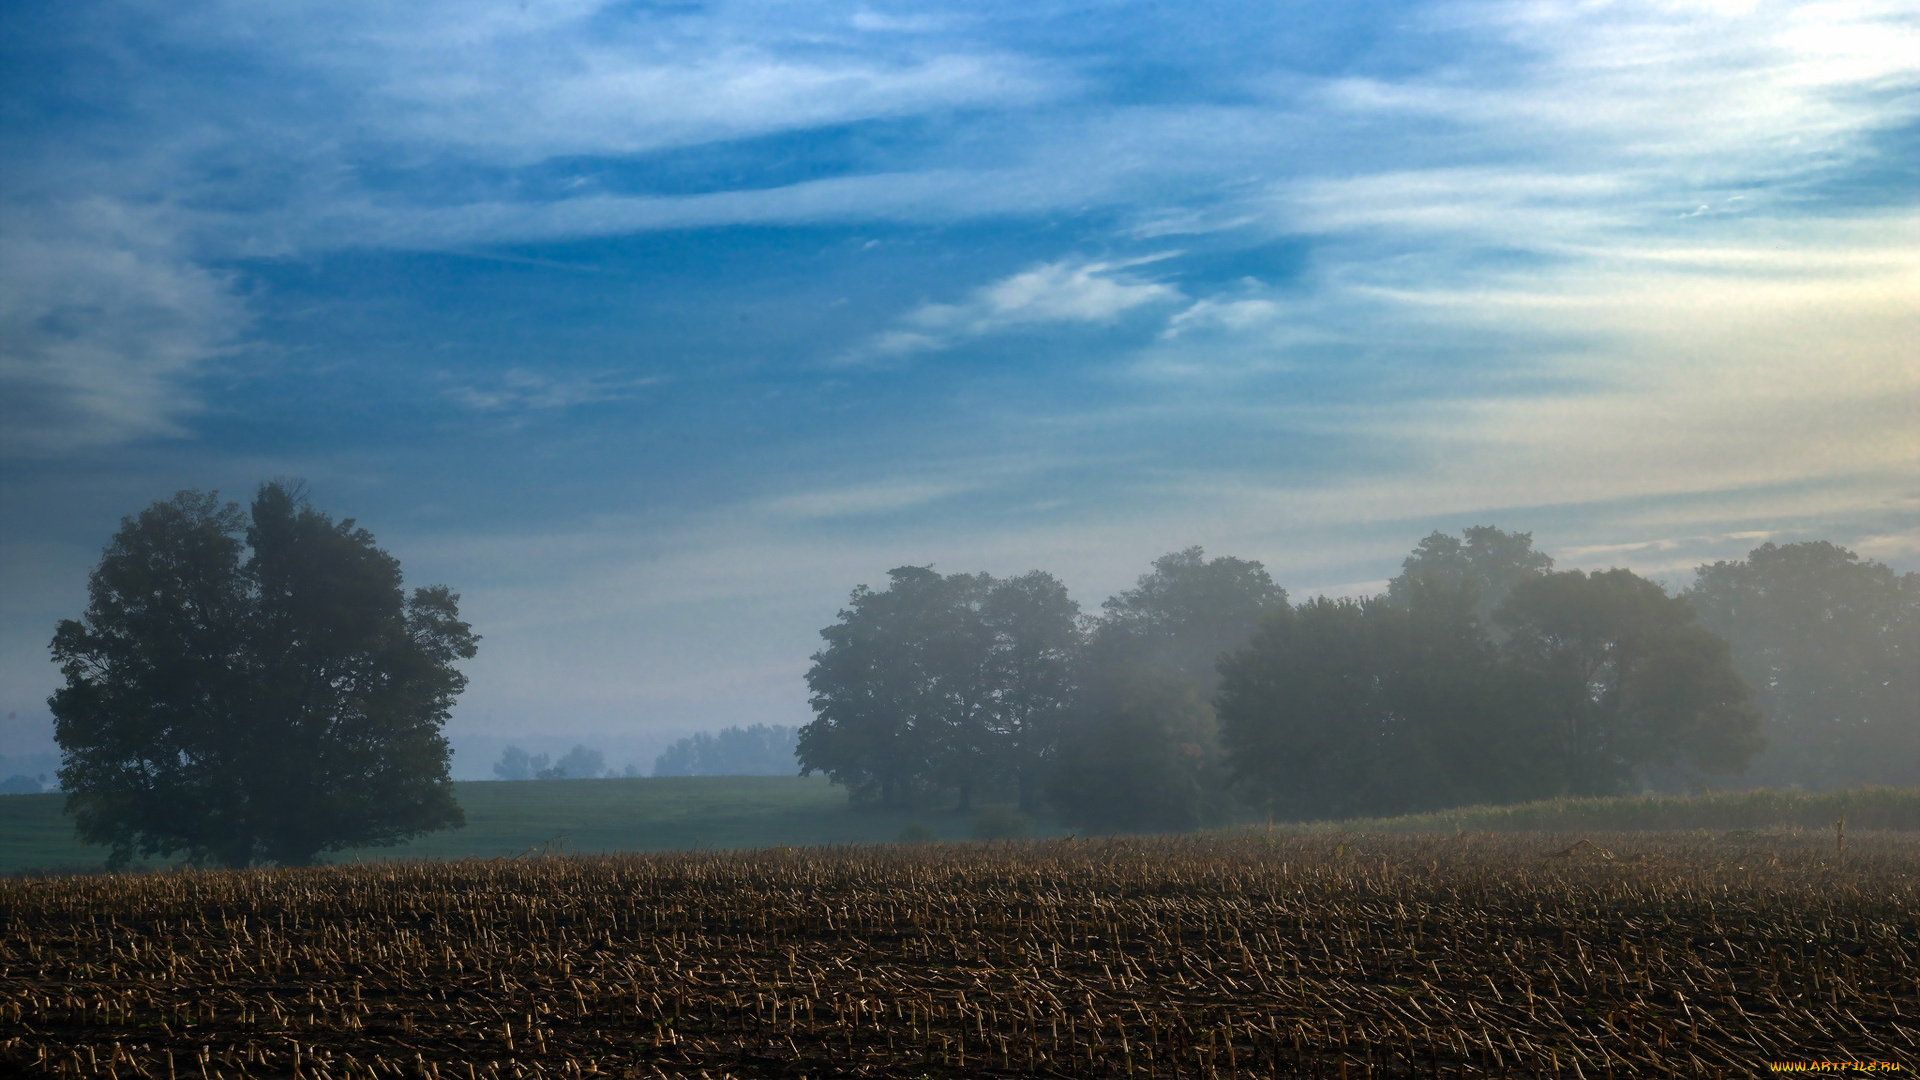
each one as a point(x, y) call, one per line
point(269, 708)
point(940, 683)
point(1483, 558)
point(1141, 749)
point(758, 750)
point(1830, 644)
point(1353, 707)
point(1185, 614)
point(1342, 708)
point(1138, 752)
point(1481, 675)
point(1628, 677)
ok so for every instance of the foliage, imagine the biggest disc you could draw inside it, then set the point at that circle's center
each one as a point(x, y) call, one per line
point(516, 764)
point(1001, 823)
point(1031, 669)
point(1140, 750)
point(1627, 677)
point(916, 832)
point(1303, 955)
point(1481, 676)
point(939, 683)
point(579, 763)
point(270, 709)
point(759, 750)
point(1342, 707)
point(1831, 646)
point(1182, 617)
point(1483, 558)
point(1139, 754)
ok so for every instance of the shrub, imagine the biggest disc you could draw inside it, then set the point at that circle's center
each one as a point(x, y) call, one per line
point(1001, 823)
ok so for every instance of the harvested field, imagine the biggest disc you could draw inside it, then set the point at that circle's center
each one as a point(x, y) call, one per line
point(1295, 955)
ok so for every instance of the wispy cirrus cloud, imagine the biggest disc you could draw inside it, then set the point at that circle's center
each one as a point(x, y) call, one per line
point(519, 391)
point(518, 82)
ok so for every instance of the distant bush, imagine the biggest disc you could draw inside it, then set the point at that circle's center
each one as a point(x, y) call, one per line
point(760, 750)
point(22, 784)
point(1001, 823)
point(1892, 809)
point(580, 763)
point(517, 764)
point(917, 833)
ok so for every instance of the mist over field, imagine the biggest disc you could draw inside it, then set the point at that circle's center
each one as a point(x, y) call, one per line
point(654, 330)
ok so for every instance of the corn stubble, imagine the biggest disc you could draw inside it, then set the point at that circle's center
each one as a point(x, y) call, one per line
point(1304, 955)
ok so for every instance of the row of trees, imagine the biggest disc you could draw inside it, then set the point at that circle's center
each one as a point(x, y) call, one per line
point(754, 750)
point(1830, 644)
point(1481, 675)
point(964, 684)
point(579, 763)
point(249, 686)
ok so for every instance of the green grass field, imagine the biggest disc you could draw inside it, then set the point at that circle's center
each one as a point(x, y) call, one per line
point(1880, 809)
point(691, 813)
point(585, 816)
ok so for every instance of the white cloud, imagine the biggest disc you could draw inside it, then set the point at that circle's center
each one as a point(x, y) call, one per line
point(608, 101)
point(104, 320)
point(519, 390)
point(1067, 291)
point(863, 500)
point(1230, 315)
point(518, 82)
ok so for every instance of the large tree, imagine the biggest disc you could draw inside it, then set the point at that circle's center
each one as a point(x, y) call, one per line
point(948, 683)
point(1184, 615)
point(901, 692)
point(1830, 644)
point(266, 709)
point(1140, 750)
point(1629, 677)
point(1342, 708)
point(1138, 753)
point(1033, 669)
point(1482, 558)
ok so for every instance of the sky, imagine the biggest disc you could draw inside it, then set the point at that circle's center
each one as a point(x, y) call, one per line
point(652, 329)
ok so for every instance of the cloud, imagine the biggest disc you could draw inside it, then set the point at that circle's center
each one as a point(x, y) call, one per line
point(517, 82)
point(1232, 315)
point(105, 321)
point(519, 390)
point(609, 101)
point(863, 500)
point(1067, 291)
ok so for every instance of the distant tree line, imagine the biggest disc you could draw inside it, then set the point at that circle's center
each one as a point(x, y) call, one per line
point(1481, 675)
point(27, 774)
point(579, 763)
point(758, 750)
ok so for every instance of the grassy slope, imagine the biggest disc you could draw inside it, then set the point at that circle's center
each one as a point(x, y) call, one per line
point(680, 813)
point(670, 813)
point(1863, 808)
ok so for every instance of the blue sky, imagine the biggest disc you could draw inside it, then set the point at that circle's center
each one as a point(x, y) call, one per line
point(654, 328)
